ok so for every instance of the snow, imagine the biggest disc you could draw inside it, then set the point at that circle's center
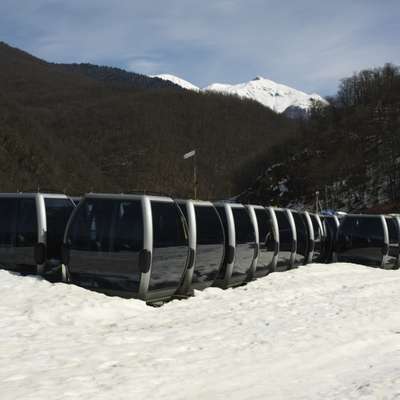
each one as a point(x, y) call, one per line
point(273, 95)
point(318, 332)
point(178, 81)
point(276, 96)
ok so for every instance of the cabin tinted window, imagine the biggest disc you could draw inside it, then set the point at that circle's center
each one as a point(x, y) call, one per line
point(91, 226)
point(301, 227)
point(170, 246)
point(243, 226)
point(285, 230)
point(302, 234)
point(265, 231)
point(267, 240)
point(58, 212)
point(361, 239)
point(209, 227)
point(372, 227)
point(168, 227)
point(128, 233)
point(392, 229)
point(8, 210)
point(27, 229)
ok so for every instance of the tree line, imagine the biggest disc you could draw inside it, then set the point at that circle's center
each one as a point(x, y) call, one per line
point(349, 151)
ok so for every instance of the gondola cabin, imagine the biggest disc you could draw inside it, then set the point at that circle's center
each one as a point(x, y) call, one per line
point(127, 245)
point(207, 244)
point(31, 232)
point(287, 239)
point(240, 245)
point(267, 239)
point(363, 239)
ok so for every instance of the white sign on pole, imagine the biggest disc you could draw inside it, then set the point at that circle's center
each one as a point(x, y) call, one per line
point(190, 154)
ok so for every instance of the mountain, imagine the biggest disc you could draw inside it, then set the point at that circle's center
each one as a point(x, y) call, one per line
point(279, 98)
point(273, 95)
point(177, 81)
point(86, 128)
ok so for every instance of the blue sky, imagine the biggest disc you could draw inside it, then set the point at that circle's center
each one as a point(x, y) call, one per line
point(308, 44)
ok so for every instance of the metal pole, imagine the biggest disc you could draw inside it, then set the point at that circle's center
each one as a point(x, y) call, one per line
point(316, 201)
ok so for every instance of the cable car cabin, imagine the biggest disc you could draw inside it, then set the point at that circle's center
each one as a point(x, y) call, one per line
point(267, 239)
point(393, 226)
point(127, 245)
point(31, 232)
point(240, 245)
point(206, 242)
point(330, 224)
point(287, 239)
point(363, 239)
point(318, 254)
point(303, 250)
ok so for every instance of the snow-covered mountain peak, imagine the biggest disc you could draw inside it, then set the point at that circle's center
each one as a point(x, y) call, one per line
point(178, 81)
point(273, 95)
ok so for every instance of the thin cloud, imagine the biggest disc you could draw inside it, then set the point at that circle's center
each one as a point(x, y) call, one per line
point(307, 44)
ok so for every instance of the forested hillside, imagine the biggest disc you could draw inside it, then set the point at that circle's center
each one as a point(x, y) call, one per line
point(117, 76)
point(67, 129)
point(349, 151)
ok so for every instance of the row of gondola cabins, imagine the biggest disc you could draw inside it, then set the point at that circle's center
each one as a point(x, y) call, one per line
point(155, 248)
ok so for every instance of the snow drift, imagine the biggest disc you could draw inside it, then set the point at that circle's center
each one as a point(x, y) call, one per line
point(322, 331)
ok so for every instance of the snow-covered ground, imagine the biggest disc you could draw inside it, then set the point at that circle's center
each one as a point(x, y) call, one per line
point(319, 332)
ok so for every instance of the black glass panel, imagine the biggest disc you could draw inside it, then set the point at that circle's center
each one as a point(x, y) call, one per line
point(361, 240)
point(105, 238)
point(170, 246)
point(267, 241)
point(210, 245)
point(58, 212)
point(331, 227)
point(392, 230)
point(27, 228)
point(27, 234)
point(8, 216)
point(285, 240)
point(245, 243)
point(8, 211)
point(302, 239)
